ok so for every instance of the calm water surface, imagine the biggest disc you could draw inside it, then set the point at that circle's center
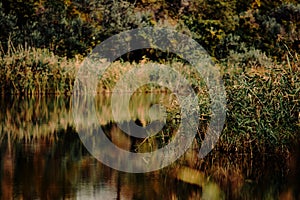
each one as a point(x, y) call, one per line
point(42, 157)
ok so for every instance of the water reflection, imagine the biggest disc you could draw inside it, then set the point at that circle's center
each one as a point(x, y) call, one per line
point(42, 157)
point(64, 169)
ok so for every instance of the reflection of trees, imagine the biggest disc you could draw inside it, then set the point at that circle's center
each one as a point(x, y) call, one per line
point(7, 179)
point(29, 167)
point(47, 170)
point(61, 169)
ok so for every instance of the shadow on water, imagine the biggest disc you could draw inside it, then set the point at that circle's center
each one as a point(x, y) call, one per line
point(42, 157)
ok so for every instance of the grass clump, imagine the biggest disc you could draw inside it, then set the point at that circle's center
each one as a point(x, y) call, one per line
point(263, 108)
point(31, 71)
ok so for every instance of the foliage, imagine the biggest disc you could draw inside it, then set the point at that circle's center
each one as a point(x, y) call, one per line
point(273, 31)
point(272, 27)
point(211, 27)
point(283, 29)
point(118, 17)
point(249, 58)
point(66, 27)
point(263, 100)
point(70, 27)
point(8, 25)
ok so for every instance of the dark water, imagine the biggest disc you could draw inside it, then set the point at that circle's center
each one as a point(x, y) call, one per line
point(42, 157)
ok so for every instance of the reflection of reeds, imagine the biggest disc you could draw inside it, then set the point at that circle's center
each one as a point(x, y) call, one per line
point(34, 118)
point(139, 106)
point(40, 116)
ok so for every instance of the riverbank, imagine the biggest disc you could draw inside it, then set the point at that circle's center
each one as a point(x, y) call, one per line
point(262, 101)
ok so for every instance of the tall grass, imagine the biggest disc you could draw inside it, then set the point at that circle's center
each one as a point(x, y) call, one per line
point(263, 110)
point(30, 71)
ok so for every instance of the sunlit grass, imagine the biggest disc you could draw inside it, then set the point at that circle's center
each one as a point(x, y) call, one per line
point(30, 71)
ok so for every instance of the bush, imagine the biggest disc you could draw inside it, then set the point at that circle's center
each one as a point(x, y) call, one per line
point(211, 27)
point(8, 25)
point(65, 27)
point(249, 58)
point(273, 31)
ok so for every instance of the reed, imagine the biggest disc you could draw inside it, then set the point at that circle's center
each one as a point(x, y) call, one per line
point(30, 71)
point(263, 110)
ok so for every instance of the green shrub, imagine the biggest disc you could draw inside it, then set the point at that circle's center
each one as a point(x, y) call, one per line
point(274, 31)
point(250, 58)
point(65, 27)
point(8, 25)
point(211, 27)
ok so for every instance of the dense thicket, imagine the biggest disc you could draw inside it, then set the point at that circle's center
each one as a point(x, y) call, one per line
point(70, 27)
